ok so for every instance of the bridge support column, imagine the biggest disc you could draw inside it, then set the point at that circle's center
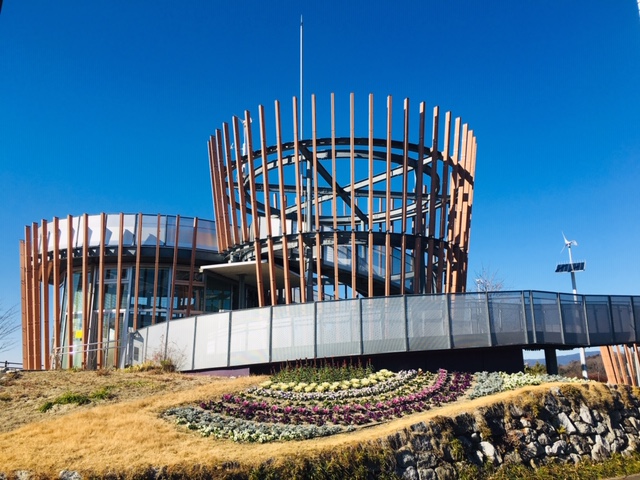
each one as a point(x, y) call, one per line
point(551, 359)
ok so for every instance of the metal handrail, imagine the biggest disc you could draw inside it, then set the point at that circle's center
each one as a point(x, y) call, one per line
point(78, 349)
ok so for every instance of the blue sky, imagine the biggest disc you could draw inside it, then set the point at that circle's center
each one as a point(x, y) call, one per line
point(107, 106)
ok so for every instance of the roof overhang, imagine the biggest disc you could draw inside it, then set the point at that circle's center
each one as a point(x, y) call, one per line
point(247, 271)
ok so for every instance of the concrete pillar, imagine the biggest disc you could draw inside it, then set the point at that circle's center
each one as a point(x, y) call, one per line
point(551, 360)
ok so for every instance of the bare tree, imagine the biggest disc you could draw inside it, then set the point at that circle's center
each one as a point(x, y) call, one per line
point(8, 326)
point(488, 280)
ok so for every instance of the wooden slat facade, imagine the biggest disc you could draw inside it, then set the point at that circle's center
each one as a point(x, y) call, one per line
point(64, 316)
point(424, 196)
point(387, 217)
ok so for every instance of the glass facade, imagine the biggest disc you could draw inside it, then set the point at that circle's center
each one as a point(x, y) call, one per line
point(142, 305)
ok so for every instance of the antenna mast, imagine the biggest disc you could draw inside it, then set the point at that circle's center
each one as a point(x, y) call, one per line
point(309, 272)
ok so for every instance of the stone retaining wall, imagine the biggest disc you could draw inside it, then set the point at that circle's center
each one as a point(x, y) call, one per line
point(569, 423)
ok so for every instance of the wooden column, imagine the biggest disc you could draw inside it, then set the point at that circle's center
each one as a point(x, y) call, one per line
point(156, 271)
point(388, 204)
point(136, 291)
point(443, 205)
point(116, 357)
point(229, 167)
point(273, 288)
point(354, 251)
point(28, 311)
point(85, 289)
point(45, 293)
point(419, 224)
point(241, 191)
point(70, 293)
point(317, 205)
point(255, 217)
point(370, 201)
point(283, 215)
point(453, 217)
point(334, 204)
point(100, 284)
point(174, 267)
point(405, 166)
point(37, 333)
point(192, 264)
point(216, 195)
point(224, 199)
point(57, 322)
point(296, 146)
point(24, 303)
point(433, 192)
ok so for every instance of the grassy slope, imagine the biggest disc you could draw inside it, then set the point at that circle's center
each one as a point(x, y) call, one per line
point(125, 434)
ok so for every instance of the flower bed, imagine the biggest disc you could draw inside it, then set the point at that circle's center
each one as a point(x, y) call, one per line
point(488, 383)
point(265, 413)
point(298, 410)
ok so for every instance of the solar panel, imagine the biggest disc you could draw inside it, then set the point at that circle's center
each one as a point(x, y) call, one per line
point(570, 267)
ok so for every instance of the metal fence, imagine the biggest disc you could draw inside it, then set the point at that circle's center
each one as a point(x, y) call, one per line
point(367, 326)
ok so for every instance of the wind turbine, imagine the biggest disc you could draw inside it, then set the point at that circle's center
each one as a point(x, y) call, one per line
point(572, 268)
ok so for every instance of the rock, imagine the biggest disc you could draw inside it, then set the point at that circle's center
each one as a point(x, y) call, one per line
point(559, 448)
point(584, 428)
point(599, 452)
point(566, 422)
point(446, 472)
point(513, 458)
point(420, 443)
point(410, 474)
point(426, 459)
point(489, 451)
point(575, 458)
point(427, 474)
point(419, 427)
point(69, 475)
point(585, 414)
point(405, 459)
point(534, 449)
point(543, 439)
point(515, 411)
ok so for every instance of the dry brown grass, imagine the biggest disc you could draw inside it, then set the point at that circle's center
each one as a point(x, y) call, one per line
point(126, 434)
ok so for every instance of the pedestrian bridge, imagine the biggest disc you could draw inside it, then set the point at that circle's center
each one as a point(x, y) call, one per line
point(389, 325)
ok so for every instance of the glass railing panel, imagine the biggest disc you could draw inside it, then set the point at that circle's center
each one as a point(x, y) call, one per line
point(249, 336)
point(206, 238)
point(149, 230)
point(469, 320)
point(180, 347)
point(383, 325)
point(427, 322)
point(508, 323)
point(598, 319)
point(338, 326)
point(185, 237)
point(547, 317)
point(636, 314)
point(573, 319)
point(50, 236)
point(156, 342)
point(112, 230)
point(129, 227)
point(528, 313)
point(293, 332)
point(622, 318)
point(211, 341)
point(62, 233)
point(94, 232)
